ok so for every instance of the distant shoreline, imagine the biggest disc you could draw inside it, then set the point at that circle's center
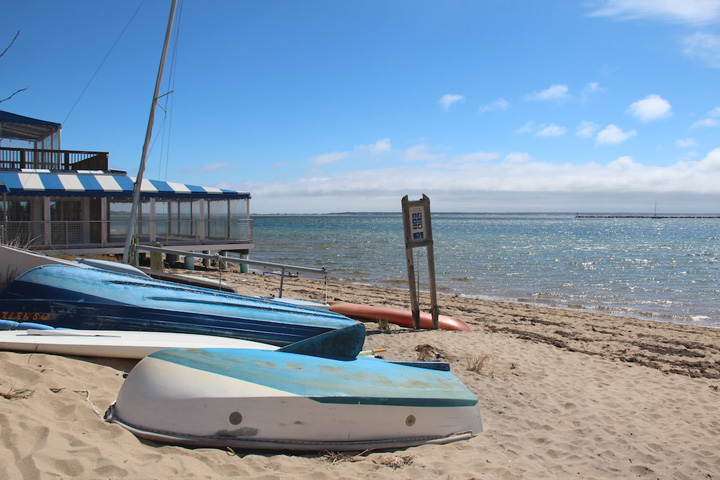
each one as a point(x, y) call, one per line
point(537, 214)
point(647, 216)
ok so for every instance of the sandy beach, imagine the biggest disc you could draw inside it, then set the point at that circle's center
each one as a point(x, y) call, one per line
point(564, 394)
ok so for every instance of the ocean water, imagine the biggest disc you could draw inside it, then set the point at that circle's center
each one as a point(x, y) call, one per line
point(665, 269)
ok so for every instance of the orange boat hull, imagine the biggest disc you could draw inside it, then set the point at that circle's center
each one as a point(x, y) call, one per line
point(396, 316)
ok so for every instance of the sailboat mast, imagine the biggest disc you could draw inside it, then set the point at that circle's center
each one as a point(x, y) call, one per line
point(148, 135)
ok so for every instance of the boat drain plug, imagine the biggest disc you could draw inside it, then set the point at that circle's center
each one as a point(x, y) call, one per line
point(235, 418)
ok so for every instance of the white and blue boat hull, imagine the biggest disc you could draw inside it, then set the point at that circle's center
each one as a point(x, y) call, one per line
point(282, 401)
point(60, 296)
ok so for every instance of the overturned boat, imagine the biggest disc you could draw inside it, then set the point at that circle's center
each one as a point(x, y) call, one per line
point(284, 401)
point(62, 296)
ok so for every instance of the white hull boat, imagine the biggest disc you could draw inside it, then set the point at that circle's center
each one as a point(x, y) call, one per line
point(283, 401)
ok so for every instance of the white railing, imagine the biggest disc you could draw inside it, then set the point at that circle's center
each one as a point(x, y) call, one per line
point(60, 235)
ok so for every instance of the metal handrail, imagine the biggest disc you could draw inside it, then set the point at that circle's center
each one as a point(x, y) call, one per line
point(284, 268)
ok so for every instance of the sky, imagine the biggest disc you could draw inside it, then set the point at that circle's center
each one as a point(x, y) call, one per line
point(321, 106)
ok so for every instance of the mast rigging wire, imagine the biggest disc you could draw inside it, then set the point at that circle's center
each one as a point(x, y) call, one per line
point(103, 60)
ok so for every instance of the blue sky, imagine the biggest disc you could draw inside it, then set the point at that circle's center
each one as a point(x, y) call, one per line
point(340, 105)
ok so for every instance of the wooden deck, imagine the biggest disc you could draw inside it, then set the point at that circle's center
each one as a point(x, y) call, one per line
point(53, 159)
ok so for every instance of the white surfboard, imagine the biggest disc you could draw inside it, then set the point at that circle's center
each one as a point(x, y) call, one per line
point(117, 344)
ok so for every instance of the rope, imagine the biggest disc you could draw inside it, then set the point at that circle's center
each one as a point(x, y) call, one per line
point(87, 399)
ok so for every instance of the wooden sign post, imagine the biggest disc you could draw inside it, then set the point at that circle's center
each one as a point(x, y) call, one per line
point(418, 233)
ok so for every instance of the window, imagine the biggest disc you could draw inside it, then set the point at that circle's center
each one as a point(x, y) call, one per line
point(66, 221)
point(19, 214)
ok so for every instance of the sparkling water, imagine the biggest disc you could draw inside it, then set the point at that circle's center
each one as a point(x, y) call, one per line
point(654, 268)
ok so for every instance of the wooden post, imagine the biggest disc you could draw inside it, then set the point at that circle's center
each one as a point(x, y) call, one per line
point(434, 312)
point(414, 300)
point(156, 260)
point(418, 233)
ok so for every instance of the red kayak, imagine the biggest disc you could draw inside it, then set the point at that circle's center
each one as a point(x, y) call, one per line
point(395, 316)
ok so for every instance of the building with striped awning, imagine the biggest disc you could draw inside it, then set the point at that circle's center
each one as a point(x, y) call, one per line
point(69, 201)
point(87, 211)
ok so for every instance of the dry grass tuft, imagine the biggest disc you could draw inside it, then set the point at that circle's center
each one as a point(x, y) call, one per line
point(17, 394)
point(482, 364)
point(384, 325)
point(428, 352)
point(395, 462)
point(337, 457)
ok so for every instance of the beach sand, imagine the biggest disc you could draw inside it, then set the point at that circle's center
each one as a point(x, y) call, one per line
point(563, 393)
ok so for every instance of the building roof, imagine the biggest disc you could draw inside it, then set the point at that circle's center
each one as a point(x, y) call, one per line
point(101, 183)
point(18, 127)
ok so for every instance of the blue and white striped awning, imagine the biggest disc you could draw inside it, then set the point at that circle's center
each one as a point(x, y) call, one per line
point(100, 183)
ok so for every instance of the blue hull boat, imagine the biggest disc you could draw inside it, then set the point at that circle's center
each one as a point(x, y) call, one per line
point(61, 296)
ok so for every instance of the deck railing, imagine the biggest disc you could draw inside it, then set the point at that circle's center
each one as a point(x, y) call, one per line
point(64, 235)
point(53, 159)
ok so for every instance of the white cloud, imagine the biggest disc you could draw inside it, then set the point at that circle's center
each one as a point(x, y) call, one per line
point(209, 167)
point(683, 11)
point(517, 157)
point(703, 47)
point(328, 158)
point(652, 107)
point(381, 146)
point(712, 119)
point(711, 162)
point(688, 156)
point(448, 99)
point(551, 130)
point(377, 148)
point(499, 104)
point(555, 93)
point(421, 153)
point(590, 89)
point(518, 183)
point(593, 87)
point(529, 127)
point(613, 135)
point(476, 157)
point(686, 143)
point(706, 122)
point(586, 129)
point(624, 163)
